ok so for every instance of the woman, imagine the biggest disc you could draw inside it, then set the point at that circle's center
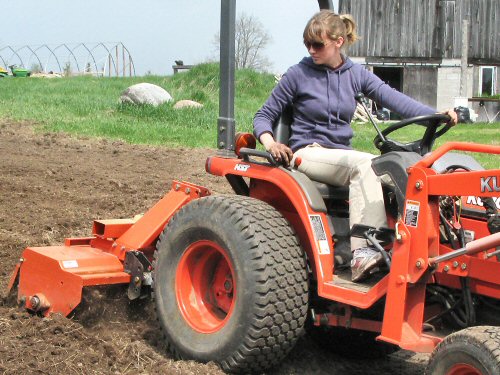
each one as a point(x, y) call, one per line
point(321, 89)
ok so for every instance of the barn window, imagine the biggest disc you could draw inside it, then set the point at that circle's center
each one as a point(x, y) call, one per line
point(487, 80)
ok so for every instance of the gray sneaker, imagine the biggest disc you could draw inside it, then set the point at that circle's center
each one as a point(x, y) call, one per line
point(364, 262)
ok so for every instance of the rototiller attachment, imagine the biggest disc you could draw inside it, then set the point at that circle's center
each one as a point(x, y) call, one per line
point(51, 278)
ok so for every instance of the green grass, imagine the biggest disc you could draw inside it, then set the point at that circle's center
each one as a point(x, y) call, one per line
point(89, 106)
point(483, 133)
point(496, 96)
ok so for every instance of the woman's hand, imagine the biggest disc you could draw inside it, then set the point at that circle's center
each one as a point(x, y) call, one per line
point(280, 152)
point(453, 116)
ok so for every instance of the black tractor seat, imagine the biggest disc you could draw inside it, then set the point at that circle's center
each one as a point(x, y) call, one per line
point(329, 192)
point(396, 164)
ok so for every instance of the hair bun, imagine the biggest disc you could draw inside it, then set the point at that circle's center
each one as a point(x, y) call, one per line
point(350, 27)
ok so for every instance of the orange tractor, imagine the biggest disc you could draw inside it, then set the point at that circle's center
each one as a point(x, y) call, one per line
point(237, 279)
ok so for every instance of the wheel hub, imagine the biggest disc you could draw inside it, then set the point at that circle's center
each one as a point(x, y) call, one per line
point(205, 286)
point(463, 369)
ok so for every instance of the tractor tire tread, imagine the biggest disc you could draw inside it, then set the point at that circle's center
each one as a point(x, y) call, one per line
point(484, 338)
point(279, 265)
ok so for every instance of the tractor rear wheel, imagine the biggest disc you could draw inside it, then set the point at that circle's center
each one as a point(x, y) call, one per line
point(471, 351)
point(230, 284)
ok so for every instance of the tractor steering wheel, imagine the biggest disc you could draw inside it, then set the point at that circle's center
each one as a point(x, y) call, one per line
point(436, 126)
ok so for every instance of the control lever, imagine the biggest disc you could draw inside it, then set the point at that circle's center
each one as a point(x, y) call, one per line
point(359, 98)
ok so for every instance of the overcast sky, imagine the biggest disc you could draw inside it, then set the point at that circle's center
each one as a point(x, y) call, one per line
point(156, 32)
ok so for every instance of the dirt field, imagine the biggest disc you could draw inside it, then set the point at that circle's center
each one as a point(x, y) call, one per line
point(53, 186)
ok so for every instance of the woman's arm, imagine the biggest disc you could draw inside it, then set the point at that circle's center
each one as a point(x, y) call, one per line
point(281, 97)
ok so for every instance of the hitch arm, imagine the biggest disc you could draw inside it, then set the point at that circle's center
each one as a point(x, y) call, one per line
point(473, 247)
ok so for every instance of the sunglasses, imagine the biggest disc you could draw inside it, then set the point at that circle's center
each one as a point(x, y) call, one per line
point(317, 46)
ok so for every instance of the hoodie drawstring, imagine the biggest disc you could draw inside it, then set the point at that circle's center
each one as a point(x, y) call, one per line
point(338, 96)
point(328, 97)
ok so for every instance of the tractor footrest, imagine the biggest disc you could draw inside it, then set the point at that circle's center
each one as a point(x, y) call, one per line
point(342, 279)
point(57, 274)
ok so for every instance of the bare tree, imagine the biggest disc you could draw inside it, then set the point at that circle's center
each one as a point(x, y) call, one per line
point(251, 40)
point(67, 70)
point(36, 68)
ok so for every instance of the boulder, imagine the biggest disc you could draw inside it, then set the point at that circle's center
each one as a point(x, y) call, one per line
point(145, 93)
point(46, 75)
point(187, 104)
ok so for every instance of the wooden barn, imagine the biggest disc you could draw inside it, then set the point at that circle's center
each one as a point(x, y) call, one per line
point(425, 49)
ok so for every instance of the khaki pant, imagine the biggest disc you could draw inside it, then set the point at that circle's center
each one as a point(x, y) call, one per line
point(348, 168)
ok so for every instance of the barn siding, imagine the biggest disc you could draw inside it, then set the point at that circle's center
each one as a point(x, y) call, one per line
point(423, 29)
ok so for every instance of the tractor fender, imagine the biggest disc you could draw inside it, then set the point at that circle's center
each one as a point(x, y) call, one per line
point(294, 195)
point(311, 193)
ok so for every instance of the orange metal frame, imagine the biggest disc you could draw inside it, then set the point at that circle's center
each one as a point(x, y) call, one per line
point(417, 242)
point(420, 241)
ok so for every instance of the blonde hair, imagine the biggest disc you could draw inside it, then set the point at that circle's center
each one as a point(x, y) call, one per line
point(333, 25)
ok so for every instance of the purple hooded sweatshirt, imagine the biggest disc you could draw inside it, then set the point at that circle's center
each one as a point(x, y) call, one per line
point(323, 102)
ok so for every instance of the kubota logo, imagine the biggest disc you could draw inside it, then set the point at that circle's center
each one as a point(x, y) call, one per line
point(489, 184)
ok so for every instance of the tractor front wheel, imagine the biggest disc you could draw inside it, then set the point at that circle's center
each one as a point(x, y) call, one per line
point(230, 284)
point(471, 351)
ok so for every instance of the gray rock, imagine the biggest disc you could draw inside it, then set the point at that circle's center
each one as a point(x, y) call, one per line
point(145, 93)
point(187, 104)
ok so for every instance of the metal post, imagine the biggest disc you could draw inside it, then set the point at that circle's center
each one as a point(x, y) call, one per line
point(117, 62)
point(326, 4)
point(123, 59)
point(226, 124)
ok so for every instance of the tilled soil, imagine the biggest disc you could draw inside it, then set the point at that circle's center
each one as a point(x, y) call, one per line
point(51, 187)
